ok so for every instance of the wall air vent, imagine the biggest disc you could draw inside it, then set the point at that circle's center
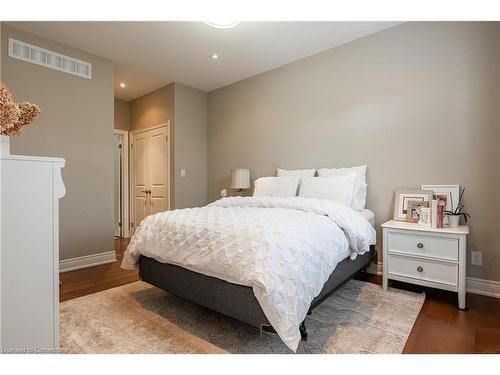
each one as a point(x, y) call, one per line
point(36, 55)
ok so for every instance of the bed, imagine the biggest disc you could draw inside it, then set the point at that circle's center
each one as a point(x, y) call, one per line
point(265, 261)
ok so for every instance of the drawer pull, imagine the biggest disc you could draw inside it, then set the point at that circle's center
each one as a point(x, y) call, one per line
point(420, 245)
point(420, 269)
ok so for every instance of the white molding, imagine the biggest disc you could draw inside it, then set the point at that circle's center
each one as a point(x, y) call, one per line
point(483, 287)
point(86, 261)
point(152, 127)
point(489, 288)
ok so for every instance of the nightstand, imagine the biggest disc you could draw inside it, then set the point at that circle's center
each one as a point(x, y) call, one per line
point(432, 257)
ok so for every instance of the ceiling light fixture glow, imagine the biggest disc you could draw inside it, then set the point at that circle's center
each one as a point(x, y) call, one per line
point(222, 24)
point(122, 85)
point(215, 56)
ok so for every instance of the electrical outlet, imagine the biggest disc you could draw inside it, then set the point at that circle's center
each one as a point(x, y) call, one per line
point(476, 258)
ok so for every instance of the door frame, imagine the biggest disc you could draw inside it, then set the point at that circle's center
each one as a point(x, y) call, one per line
point(125, 184)
point(166, 125)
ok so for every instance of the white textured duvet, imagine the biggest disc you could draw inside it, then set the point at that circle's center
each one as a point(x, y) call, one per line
point(284, 248)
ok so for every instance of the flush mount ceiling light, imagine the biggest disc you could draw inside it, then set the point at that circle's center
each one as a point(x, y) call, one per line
point(214, 56)
point(122, 85)
point(222, 24)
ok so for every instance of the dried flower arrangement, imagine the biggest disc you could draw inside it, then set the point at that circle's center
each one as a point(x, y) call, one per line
point(13, 116)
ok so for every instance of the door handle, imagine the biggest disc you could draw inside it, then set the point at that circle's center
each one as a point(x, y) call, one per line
point(146, 191)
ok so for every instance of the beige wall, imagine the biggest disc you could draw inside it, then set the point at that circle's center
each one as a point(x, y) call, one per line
point(153, 108)
point(122, 114)
point(190, 146)
point(185, 107)
point(76, 123)
point(418, 103)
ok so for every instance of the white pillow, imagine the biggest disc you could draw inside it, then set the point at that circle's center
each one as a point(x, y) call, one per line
point(359, 201)
point(276, 187)
point(337, 189)
point(300, 173)
point(331, 172)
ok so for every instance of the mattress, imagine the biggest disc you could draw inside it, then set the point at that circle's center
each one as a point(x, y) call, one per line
point(370, 216)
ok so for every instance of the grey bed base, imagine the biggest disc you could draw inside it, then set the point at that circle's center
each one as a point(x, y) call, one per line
point(237, 301)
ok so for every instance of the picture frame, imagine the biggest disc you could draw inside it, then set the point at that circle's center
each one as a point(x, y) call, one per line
point(403, 196)
point(425, 217)
point(414, 210)
point(448, 193)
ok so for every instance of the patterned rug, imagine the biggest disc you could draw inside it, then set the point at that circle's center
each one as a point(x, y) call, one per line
point(138, 318)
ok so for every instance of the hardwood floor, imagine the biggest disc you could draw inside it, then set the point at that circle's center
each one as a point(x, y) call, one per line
point(440, 326)
point(94, 279)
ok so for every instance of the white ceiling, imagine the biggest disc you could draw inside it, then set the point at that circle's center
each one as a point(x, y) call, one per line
point(150, 55)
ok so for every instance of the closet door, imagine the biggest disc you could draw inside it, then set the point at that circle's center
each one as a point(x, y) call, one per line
point(150, 177)
point(141, 180)
point(158, 144)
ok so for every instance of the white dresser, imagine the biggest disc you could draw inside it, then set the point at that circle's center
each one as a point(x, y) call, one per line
point(430, 257)
point(29, 256)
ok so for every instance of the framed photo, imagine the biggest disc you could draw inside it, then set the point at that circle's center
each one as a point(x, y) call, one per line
point(414, 210)
point(447, 193)
point(403, 197)
point(425, 217)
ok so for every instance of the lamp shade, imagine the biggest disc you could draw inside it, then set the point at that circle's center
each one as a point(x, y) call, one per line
point(240, 178)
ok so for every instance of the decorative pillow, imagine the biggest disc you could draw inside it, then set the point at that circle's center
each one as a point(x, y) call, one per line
point(276, 186)
point(300, 173)
point(359, 201)
point(337, 189)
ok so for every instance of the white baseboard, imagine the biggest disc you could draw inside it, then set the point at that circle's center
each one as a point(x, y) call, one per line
point(483, 287)
point(72, 264)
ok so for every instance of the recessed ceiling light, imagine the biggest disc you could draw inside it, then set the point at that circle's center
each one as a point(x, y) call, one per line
point(215, 56)
point(222, 24)
point(122, 85)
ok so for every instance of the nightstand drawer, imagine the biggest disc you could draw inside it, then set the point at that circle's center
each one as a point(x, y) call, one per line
point(429, 270)
point(423, 245)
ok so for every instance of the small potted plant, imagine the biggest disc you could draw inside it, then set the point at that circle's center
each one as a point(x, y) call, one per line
point(454, 216)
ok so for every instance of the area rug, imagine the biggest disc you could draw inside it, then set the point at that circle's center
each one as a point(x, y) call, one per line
point(138, 318)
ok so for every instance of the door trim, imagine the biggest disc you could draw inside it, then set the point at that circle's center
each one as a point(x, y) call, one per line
point(125, 183)
point(166, 125)
point(153, 127)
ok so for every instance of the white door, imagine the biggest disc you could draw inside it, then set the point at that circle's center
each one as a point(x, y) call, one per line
point(117, 191)
point(150, 179)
